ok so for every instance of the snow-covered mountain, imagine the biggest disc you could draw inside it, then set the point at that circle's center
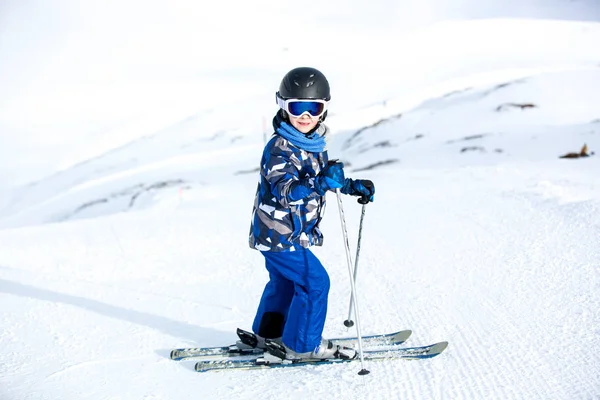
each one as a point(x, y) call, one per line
point(130, 136)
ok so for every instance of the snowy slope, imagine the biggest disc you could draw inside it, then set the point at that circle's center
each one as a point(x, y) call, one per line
point(480, 234)
point(501, 261)
point(530, 118)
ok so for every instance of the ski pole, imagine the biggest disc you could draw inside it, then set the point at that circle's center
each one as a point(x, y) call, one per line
point(362, 200)
point(363, 371)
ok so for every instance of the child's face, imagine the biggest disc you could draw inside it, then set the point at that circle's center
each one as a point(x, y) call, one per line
point(305, 123)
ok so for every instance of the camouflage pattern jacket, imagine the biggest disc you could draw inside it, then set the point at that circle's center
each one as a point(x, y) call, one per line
point(287, 209)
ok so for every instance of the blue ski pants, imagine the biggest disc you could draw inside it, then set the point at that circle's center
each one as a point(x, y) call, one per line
point(294, 301)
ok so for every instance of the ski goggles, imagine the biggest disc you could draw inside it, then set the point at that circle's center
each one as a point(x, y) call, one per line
point(297, 107)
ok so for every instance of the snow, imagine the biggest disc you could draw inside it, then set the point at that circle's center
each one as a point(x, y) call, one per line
point(130, 139)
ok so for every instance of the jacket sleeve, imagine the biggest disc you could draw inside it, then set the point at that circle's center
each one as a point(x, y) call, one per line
point(281, 169)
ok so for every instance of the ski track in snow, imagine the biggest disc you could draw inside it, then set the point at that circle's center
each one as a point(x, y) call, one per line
point(86, 364)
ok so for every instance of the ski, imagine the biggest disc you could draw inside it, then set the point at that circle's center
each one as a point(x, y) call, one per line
point(211, 352)
point(270, 361)
point(388, 339)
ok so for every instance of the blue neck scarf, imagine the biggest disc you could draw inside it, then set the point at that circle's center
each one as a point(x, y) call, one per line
point(314, 142)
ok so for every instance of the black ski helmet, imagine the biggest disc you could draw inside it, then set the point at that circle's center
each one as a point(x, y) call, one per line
point(304, 83)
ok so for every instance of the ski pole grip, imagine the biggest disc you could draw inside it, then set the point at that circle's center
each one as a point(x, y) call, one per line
point(363, 200)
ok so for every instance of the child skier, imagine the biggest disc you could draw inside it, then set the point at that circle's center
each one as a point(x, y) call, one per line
point(295, 175)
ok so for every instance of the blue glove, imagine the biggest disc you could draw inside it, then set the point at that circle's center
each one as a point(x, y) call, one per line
point(330, 177)
point(359, 187)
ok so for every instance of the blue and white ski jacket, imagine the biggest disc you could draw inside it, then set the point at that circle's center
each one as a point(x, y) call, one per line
point(287, 208)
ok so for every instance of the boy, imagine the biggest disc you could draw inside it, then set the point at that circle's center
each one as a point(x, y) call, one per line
point(295, 175)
